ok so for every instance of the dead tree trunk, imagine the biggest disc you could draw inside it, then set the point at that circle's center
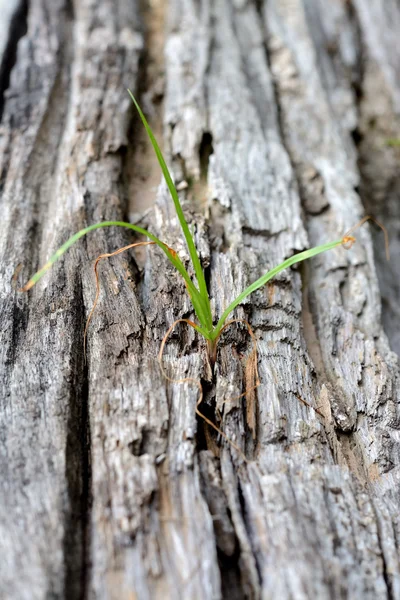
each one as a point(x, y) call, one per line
point(274, 116)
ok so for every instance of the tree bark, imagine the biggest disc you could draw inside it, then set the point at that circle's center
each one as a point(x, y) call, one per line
point(274, 116)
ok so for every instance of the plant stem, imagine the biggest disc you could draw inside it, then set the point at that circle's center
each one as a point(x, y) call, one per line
point(212, 350)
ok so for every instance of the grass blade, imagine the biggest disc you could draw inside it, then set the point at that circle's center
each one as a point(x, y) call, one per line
point(185, 228)
point(171, 255)
point(265, 278)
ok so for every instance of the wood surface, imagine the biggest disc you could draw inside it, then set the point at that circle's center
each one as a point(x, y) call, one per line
point(274, 117)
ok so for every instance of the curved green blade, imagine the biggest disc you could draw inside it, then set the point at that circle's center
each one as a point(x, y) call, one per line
point(185, 228)
point(171, 255)
point(265, 278)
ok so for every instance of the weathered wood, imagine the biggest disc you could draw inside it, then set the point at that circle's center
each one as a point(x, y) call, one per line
point(274, 116)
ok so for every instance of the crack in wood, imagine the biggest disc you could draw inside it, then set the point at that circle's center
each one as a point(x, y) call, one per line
point(17, 29)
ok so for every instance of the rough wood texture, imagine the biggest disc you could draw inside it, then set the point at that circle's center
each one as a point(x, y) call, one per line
point(275, 114)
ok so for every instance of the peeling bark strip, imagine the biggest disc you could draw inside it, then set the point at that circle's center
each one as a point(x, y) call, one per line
point(272, 128)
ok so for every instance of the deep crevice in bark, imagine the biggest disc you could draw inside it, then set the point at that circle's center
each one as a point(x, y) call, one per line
point(226, 540)
point(77, 539)
point(258, 572)
point(86, 499)
point(205, 434)
point(76, 543)
point(18, 29)
point(198, 189)
point(231, 587)
point(141, 174)
point(205, 151)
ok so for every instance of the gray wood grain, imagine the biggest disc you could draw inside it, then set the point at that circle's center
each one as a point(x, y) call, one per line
point(275, 115)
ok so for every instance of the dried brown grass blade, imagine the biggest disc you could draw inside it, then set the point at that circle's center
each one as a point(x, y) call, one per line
point(251, 378)
point(348, 239)
point(300, 399)
point(211, 443)
point(96, 299)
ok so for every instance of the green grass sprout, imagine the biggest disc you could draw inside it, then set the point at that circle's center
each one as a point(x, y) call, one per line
point(393, 142)
point(197, 291)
